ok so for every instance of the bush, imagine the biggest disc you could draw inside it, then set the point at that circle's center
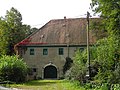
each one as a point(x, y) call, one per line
point(115, 87)
point(67, 65)
point(106, 51)
point(12, 69)
point(79, 68)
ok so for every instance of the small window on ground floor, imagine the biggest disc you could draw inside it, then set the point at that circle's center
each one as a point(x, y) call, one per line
point(34, 70)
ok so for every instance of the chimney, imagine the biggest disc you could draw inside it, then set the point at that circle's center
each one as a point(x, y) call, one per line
point(65, 17)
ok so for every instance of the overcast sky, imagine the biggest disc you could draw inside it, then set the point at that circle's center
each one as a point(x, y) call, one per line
point(39, 12)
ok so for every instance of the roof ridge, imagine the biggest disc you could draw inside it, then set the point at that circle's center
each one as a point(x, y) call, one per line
point(66, 19)
point(73, 18)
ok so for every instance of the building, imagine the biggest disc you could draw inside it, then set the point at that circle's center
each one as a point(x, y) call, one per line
point(45, 50)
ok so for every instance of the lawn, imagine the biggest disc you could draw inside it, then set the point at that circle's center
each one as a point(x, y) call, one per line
point(47, 85)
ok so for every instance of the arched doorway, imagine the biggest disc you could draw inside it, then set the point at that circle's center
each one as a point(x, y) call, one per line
point(50, 72)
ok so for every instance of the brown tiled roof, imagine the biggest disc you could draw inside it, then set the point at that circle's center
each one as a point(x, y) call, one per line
point(62, 31)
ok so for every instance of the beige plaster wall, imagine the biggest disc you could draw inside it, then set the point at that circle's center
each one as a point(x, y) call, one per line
point(40, 61)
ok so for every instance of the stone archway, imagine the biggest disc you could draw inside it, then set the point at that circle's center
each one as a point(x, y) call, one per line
point(50, 72)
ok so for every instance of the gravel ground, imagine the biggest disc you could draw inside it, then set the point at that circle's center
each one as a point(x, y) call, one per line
point(4, 88)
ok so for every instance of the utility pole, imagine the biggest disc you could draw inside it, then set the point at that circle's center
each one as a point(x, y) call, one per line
point(67, 35)
point(88, 50)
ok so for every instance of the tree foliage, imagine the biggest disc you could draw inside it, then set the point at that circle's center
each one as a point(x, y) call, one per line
point(67, 64)
point(108, 49)
point(98, 28)
point(12, 69)
point(79, 67)
point(107, 60)
point(110, 12)
point(12, 31)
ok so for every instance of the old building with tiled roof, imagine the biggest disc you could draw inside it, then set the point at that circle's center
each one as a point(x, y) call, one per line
point(45, 50)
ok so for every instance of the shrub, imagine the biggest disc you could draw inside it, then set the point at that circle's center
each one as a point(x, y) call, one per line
point(106, 57)
point(79, 68)
point(67, 65)
point(12, 69)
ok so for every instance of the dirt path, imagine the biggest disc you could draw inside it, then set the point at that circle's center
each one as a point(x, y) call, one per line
point(50, 85)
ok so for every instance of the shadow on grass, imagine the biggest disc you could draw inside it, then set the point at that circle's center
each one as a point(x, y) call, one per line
point(42, 82)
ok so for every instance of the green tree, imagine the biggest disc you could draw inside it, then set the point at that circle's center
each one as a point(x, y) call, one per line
point(3, 37)
point(108, 49)
point(110, 12)
point(28, 30)
point(105, 56)
point(98, 28)
point(12, 31)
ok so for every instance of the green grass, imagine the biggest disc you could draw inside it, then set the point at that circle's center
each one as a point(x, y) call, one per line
point(72, 85)
point(47, 85)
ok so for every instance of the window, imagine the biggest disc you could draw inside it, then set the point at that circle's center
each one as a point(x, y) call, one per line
point(31, 51)
point(61, 51)
point(45, 51)
point(34, 70)
point(81, 49)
